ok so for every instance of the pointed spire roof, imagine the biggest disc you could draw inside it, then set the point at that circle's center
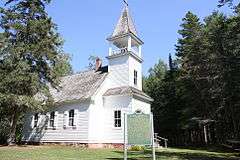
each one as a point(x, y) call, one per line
point(125, 24)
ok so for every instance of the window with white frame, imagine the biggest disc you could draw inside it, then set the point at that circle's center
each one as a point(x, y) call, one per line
point(135, 77)
point(52, 117)
point(35, 120)
point(71, 118)
point(117, 119)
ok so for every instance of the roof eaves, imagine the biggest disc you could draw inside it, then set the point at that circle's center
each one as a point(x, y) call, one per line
point(112, 38)
point(143, 97)
point(126, 53)
point(128, 91)
point(83, 99)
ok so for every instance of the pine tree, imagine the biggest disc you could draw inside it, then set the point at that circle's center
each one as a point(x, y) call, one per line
point(203, 92)
point(28, 60)
point(195, 77)
point(170, 62)
point(192, 60)
point(225, 49)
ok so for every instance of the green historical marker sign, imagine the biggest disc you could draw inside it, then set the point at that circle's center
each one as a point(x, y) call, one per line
point(139, 129)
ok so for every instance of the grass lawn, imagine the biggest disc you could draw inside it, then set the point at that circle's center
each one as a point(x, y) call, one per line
point(74, 153)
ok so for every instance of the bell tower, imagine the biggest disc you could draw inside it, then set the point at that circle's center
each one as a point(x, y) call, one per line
point(125, 53)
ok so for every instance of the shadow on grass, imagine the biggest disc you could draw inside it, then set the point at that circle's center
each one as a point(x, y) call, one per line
point(11, 146)
point(134, 155)
point(213, 148)
point(180, 155)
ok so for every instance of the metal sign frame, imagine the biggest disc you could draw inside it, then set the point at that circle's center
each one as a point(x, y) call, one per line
point(126, 136)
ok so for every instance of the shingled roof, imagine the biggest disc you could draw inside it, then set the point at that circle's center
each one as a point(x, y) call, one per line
point(125, 24)
point(79, 86)
point(127, 90)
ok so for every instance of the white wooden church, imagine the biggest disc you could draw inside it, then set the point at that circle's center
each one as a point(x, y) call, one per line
point(89, 107)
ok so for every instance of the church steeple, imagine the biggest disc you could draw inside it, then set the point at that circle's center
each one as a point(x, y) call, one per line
point(125, 24)
point(124, 38)
point(125, 53)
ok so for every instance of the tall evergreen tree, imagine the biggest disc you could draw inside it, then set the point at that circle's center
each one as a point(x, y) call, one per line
point(194, 71)
point(170, 62)
point(28, 60)
point(199, 101)
point(152, 83)
point(161, 85)
point(224, 46)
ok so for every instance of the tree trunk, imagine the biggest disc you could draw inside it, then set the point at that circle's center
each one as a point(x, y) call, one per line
point(13, 125)
point(205, 134)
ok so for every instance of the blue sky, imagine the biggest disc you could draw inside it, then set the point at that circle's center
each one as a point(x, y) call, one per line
point(85, 24)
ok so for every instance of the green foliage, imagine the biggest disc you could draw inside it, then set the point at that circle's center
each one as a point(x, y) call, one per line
point(210, 64)
point(233, 4)
point(62, 66)
point(229, 2)
point(156, 74)
point(4, 129)
point(162, 86)
point(91, 62)
point(31, 57)
point(204, 88)
point(223, 2)
point(153, 83)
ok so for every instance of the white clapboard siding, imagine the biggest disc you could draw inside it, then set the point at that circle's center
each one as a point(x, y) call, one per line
point(137, 66)
point(31, 118)
point(56, 119)
point(123, 103)
point(47, 120)
point(65, 119)
point(119, 71)
point(76, 118)
point(39, 119)
point(59, 133)
point(140, 105)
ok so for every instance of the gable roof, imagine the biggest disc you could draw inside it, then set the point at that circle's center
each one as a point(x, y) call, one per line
point(79, 86)
point(125, 24)
point(127, 90)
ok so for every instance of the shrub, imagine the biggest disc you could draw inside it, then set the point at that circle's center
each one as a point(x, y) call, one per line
point(137, 148)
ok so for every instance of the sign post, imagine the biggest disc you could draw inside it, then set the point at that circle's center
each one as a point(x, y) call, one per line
point(125, 136)
point(153, 143)
point(138, 130)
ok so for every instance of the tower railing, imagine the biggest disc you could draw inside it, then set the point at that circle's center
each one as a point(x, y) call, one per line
point(123, 50)
point(119, 51)
point(134, 51)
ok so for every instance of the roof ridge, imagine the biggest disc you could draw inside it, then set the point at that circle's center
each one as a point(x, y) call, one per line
point(78, 73)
